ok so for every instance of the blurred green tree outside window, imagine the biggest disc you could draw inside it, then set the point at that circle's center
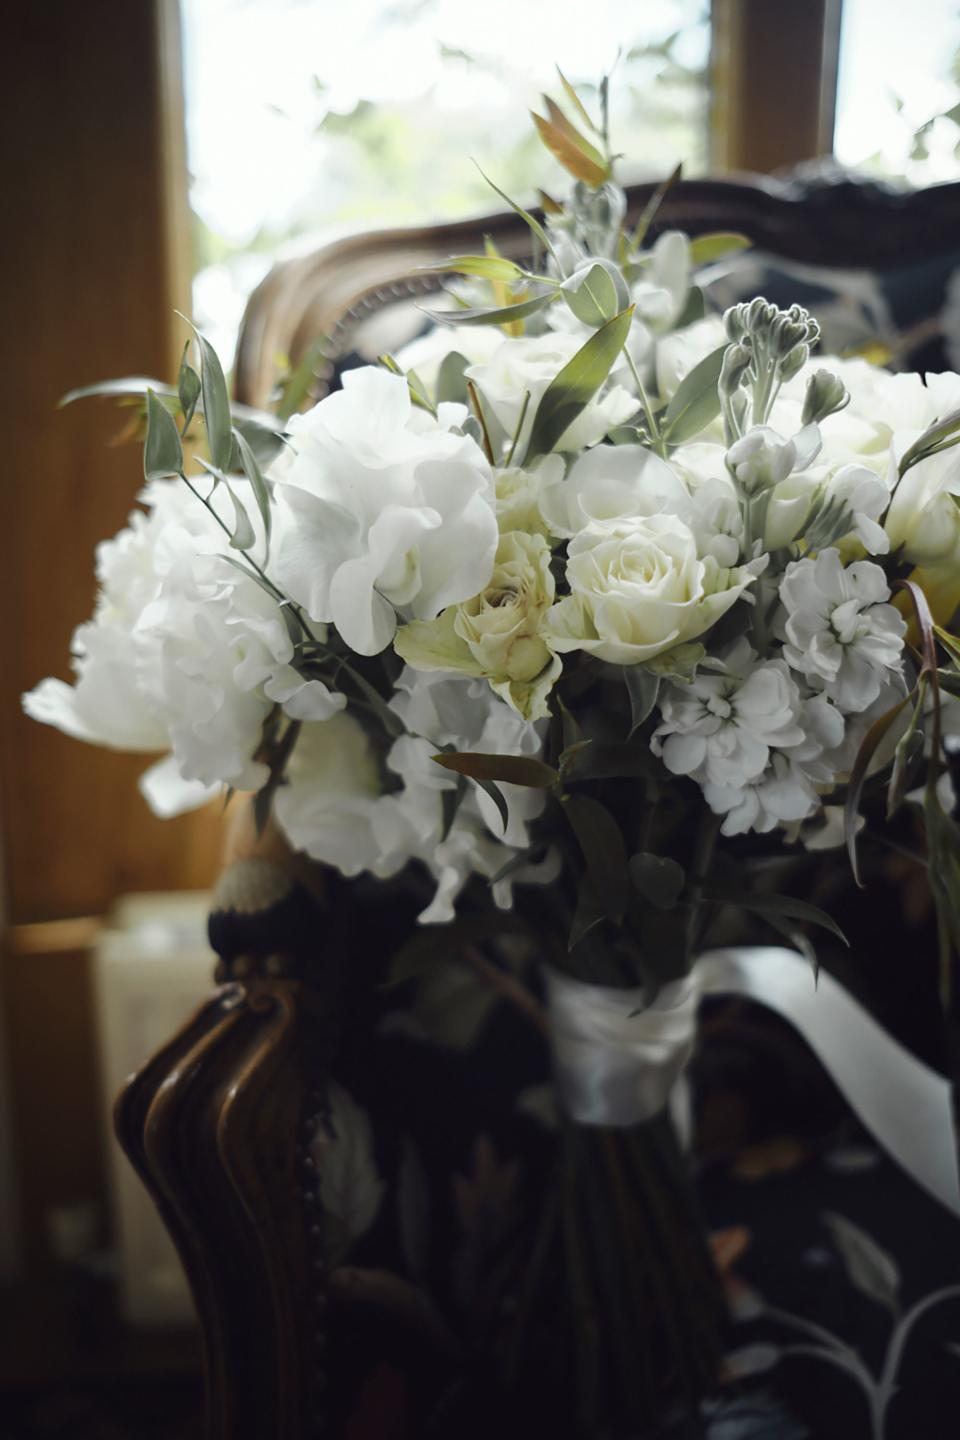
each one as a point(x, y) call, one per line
point(307, 120)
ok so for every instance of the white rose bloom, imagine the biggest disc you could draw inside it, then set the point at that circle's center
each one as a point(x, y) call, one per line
point(389, 510)
point(721, 727)
point(528, 364)
point(638, 587)
point(840, 633)
point(611, 482)
point(499, 633)
point(519, 492)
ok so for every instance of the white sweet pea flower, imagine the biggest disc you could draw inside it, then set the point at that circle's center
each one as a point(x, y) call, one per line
point(924, 516)
point(528, 364)
point(638, 587)
point(331, 806)
point(840, 633)
point(721, 727)
point(388, 510)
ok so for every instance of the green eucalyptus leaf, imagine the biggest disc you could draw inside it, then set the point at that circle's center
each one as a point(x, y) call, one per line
point(858, 775)
point(261, 492)
point(451, 381)
point(525, 215)
point(188, 388)
point(869, 1267)
point(487, 267)
point(216, 403)
point(643, 689)
point(601, 841)
point(450, 801)
point(785, 906)
point(696, 401)
point(496, 795)
point(513, 769)
point(577, 383)
point(243, 535)
point(118, 389)
point(704, 249)
point(162, 452)
point(596, 292)
point(694, 308)
point(495, 315)
point(265, 440)
point(657, 878)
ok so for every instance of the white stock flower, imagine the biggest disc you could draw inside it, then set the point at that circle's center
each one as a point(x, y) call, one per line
point(527, 364)
point(638, 587)
point(924, 516)
point(721, 726)
point(846, 506)
point(840, 633)
point(782, 795)
point(389, 510)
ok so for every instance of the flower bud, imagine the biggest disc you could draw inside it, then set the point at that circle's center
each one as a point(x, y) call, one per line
point(793, 363)
point(826, 394)
point(736, 361)
point(760, 460)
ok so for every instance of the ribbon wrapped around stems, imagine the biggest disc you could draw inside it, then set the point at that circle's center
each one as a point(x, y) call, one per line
point(617, 1058)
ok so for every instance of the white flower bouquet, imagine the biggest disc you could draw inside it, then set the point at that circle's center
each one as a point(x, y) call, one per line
point(545, 613)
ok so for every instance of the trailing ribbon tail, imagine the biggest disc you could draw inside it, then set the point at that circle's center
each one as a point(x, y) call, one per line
point(618, 1059)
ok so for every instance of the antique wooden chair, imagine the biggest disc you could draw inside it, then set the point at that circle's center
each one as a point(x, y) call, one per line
point(221, 1123)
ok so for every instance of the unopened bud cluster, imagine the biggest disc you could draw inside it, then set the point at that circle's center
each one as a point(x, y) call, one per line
point(767, 346)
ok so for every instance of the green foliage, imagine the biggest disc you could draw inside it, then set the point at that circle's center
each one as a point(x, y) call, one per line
point(162, 452)
point(577, 383)
point(696, 401)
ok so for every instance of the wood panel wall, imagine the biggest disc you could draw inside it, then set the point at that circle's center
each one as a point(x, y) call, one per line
point(94, 257)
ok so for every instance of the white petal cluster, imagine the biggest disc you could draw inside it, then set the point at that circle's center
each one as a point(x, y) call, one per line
point(388, 510)
point(840, 633)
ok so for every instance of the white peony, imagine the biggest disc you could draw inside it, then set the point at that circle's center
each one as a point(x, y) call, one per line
point(638, 587)
point(528, 364)
point(388, 510)
point(840, 633)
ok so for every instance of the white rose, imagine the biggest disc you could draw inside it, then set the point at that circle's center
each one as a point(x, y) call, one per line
point(527, 364)
point(638, 587)
point(611, 482)
point(519, 493)
point(389, 510)
point(499, 633)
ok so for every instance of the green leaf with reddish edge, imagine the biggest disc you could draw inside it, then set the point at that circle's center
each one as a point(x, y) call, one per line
point(868, 748)
point(786, 907)
point(512, 769)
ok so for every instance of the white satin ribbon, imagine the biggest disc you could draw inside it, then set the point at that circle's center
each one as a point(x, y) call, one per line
point(617, 1067)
